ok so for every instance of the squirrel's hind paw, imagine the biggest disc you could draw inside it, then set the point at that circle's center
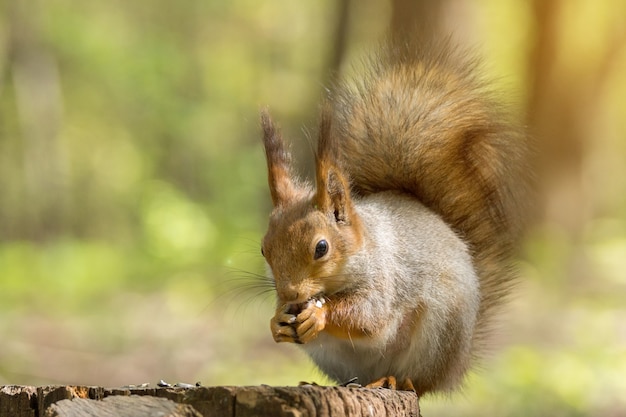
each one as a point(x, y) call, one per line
point(390, 382)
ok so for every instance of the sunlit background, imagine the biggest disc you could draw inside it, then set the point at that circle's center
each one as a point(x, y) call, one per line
point(133, 195)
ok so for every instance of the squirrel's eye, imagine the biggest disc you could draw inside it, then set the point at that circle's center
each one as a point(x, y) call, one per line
point(320, 249)
point(262, 252)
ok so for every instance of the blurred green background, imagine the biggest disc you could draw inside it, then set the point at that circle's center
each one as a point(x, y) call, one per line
point(133, 195)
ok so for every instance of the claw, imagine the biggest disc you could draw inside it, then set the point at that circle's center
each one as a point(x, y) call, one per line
point(298, 325)
point(282, 326)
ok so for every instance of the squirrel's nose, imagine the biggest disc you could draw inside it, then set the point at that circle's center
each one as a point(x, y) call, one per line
point(288, 292)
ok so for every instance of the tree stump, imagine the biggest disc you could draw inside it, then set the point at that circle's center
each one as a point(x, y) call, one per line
point(258, 401)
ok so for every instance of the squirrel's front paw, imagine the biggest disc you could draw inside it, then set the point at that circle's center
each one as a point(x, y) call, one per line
point(299, 326)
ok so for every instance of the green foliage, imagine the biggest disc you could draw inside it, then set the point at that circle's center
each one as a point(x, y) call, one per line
point(65, 277)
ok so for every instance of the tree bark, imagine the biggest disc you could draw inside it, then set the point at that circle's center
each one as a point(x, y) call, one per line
point(305, 401)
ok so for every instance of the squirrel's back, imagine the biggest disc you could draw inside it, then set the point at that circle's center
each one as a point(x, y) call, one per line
point(421, 120)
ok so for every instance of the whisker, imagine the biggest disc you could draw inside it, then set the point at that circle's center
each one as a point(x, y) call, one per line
point(240, 289)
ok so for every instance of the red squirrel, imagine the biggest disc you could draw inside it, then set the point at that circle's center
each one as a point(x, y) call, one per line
point(390, 266)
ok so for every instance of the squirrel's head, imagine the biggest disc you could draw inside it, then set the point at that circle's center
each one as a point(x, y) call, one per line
point(312, 232)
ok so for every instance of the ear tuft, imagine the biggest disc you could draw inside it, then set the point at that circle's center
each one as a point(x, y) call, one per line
point(280, 178)
point(325, 145)
point(333, 190)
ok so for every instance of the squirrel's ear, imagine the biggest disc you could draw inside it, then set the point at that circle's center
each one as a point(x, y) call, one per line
point(333, 189)
point(282, 188)
point(333, 194)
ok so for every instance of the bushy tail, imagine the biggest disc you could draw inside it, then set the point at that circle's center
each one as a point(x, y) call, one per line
point(423, 121)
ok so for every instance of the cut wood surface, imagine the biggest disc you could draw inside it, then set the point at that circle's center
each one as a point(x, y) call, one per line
point(304, 401)
point(121, 406)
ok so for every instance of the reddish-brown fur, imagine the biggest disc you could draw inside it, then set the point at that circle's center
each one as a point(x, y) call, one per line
point(419, 128)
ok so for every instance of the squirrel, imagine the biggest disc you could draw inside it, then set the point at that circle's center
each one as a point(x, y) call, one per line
point(391, 266)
